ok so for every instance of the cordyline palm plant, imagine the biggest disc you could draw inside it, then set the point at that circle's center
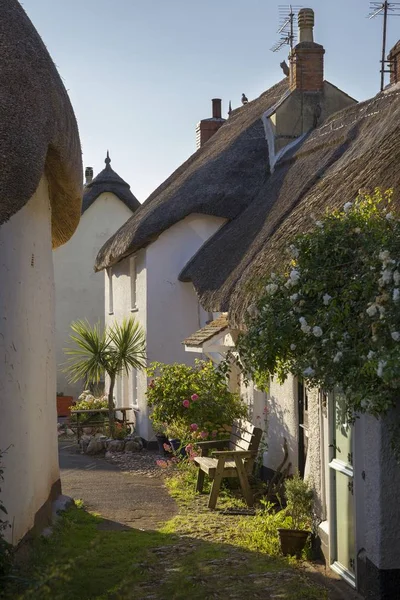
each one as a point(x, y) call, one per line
point(112, 350)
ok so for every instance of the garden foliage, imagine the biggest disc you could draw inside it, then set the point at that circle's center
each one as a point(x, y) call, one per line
point(332, 315)
point(192, 402)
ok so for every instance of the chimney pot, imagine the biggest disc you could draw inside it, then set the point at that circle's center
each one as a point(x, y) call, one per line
point(88, 175)
point(306, 22)
point(216, 108)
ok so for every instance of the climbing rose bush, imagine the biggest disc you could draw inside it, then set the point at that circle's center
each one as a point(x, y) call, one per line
point(332, 316)
point(193, 402)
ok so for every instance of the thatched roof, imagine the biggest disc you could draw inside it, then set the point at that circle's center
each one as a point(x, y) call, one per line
point(207, 332)
point(356, 148)
point(109, 181)
point(38, 130)
point(220, 179)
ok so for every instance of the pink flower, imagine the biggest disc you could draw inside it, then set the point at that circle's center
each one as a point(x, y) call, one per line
point(151, 384)
point(162, 463)
point(214, 433)
point(204, 434)
point(194, 397)
point(189, 447)
point(194, 427)
point(167, 448)
point(186, 403)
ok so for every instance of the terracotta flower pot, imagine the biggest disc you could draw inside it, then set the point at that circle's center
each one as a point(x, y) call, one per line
point(293, 541)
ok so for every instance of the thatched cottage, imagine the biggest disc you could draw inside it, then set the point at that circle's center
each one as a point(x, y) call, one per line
point(107, 204)
point(299, 148)
point(40, 205)
point(354, 474)
point(145, 259)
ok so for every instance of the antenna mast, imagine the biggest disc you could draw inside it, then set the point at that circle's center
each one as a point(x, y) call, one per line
point(386, 9)
point(287, 14)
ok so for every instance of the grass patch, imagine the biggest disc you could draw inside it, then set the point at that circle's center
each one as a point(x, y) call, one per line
point(199, 554)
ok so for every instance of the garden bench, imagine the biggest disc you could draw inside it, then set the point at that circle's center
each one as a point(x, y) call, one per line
point(233, 457)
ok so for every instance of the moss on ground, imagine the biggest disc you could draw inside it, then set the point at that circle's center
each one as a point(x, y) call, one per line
point(198, 555)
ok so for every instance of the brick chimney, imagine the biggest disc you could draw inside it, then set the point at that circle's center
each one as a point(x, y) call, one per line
point(88, 175)
point(394, 58)
point(207, 127)
point(307, 58)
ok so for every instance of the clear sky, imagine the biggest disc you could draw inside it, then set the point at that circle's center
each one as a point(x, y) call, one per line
point(141, 73)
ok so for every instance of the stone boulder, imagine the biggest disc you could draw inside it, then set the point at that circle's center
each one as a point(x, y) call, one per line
point(116, 445)
point(96, 445)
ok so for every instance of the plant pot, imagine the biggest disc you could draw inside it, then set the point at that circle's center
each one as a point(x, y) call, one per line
point(176, 447)
point(63, 404)
point(161, 440)
point(293, 541)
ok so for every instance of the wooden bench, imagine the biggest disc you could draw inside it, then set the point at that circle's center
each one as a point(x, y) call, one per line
point(233, 457)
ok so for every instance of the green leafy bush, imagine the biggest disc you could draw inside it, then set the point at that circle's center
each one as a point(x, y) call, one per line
point(299, 498)
point(331, 316)
point(192, 402)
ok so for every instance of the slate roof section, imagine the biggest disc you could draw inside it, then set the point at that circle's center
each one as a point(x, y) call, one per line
point(358, 147)
point(38, 129)
point(220, 179)
point(201, 336)
point(109, 181)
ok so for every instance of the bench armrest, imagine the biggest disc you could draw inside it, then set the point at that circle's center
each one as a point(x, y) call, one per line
point(226, 453)
point(205, 447)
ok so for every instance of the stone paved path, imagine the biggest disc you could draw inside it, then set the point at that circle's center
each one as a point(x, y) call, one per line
point(143, 502)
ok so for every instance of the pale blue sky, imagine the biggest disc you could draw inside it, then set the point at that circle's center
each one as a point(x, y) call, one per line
point(141, 73)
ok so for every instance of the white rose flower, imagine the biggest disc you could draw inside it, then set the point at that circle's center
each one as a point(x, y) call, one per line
point(293, 347)
point(386, 277)
point(396, 277)
point(309, 372)
point(294, 251)
point(381, 365)
point(294, 298)
point(347, 207)
point(389, 216)
point(384, 255)
point(319, 224)
point(294, 276)
point(271, 288)
point(357, 230)
point(253, 311)
point(337, 357)
point(317, 331)
point(396, 295)
point(372, 310)
point(326, 298)
point(371, 354)
point(396, 336)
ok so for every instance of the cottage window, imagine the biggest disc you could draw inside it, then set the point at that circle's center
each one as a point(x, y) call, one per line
point(133, 278)
point(110, 292)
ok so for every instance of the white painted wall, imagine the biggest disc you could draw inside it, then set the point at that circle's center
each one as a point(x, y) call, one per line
point(27, 362)
point(168, 309)
point(282, 421)
point(79, 290)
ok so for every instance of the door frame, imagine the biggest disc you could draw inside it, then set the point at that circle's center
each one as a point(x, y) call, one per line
point(335, 465)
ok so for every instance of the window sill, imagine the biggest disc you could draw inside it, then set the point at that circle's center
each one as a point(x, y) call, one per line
point(110, 313)
point(135, 309)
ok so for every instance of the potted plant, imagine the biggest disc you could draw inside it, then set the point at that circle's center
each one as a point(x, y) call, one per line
point(299, 497)
point(160, 433)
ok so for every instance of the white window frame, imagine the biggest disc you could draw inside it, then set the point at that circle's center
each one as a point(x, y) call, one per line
point(110, 292)
point(134, 395)
point(133, 283)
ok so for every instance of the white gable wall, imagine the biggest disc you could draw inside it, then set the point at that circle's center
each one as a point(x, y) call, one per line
point(27, 365)
point(79, 290)
point(168, 309)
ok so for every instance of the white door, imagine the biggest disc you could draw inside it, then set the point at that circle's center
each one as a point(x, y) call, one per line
point(342, 491)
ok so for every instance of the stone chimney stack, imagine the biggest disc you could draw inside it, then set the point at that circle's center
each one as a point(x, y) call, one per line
point(307, 58)
point(88, 175)
point(394, 58)
point(207, 127)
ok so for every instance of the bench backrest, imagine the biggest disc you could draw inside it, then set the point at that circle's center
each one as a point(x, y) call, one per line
point(245, 436)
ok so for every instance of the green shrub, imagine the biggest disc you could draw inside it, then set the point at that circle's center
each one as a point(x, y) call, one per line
point(299, 497)
point(195, 400)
